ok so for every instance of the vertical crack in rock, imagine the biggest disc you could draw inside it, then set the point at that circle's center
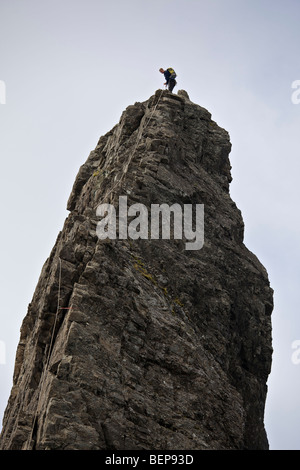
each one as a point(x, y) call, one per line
point(155, 346)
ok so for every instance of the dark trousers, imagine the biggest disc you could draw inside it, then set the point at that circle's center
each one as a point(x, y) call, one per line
point(171, 84)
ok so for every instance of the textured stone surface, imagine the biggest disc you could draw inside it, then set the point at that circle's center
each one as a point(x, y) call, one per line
point(150, 346)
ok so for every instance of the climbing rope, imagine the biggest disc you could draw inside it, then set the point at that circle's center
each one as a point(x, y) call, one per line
point(56, 316)
point(45, 369)
point(139, 136)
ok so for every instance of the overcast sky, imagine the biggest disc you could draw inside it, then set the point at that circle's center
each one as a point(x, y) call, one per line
point(67, 71)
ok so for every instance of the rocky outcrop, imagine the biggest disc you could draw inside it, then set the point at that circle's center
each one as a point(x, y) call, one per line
point(142, 343)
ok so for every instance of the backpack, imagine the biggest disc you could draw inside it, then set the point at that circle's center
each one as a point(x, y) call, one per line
point(172, 72)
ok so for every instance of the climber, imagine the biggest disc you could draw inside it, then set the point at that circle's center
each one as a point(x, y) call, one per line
point(170, 76)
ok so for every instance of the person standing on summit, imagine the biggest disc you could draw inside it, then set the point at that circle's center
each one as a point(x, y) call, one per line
point(170, 76)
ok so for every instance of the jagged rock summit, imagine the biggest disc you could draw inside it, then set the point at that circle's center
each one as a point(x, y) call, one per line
point(140, 343)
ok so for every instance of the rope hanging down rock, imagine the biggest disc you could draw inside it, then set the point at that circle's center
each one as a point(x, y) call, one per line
point(46, 367)
point(139, 136)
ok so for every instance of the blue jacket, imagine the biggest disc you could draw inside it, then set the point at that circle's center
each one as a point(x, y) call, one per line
point(168, 74)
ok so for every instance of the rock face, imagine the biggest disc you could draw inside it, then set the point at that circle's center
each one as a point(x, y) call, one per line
point(142, 343)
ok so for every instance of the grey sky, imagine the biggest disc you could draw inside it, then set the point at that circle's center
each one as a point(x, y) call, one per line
point(71, 67)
